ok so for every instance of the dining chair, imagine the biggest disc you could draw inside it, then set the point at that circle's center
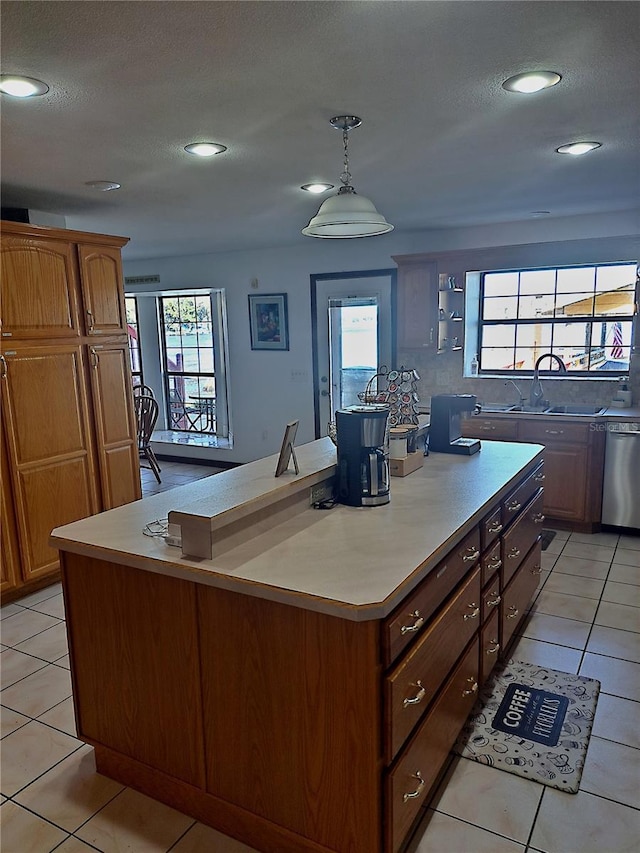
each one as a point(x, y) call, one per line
point(143, 389)
point(182, 414)
point(146, 408)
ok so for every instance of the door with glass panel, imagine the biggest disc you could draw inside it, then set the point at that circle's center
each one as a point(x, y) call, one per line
point(353, 337)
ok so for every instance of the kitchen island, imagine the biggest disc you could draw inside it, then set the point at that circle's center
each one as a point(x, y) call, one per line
point(301, 688)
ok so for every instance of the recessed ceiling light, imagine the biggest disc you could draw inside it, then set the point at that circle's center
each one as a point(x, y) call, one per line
point(22, 87)
point(531, 81)
point(103, 186)
point(204, 149)
point(577, 148)
point(317, 187)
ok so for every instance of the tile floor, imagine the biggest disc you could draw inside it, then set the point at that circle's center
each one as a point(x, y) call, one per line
point(586, 618)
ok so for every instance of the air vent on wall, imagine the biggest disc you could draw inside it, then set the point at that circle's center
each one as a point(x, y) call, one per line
point(142, 279)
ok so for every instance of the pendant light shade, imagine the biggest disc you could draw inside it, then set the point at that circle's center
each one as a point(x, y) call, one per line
point(347, 214)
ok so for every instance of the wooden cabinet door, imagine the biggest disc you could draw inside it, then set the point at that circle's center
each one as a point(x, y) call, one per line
point(46, 422)
point(102, 290)
point(417, 306)
point(565, 485)
point(117, 445)
point(39, 288)
point(9, 554)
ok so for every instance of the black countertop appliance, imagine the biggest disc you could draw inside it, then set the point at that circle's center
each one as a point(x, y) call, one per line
point(363, 470)
point(444, 428)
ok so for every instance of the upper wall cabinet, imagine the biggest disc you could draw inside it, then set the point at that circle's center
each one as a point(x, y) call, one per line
point(102, 290)
point(417, 303)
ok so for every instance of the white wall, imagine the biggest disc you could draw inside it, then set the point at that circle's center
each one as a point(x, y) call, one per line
point(262, 395)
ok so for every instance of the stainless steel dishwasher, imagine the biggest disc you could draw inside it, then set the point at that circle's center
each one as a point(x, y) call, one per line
point(621, 491)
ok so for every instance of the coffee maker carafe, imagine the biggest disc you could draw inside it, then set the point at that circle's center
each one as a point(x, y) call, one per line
point(363, 469)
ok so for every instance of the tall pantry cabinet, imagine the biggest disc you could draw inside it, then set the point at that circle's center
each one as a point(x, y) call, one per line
point(68, 445)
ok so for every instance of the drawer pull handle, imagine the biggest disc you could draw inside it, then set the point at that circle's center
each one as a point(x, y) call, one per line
point(539, 478)
point(488, 428)
point(538, 518)
point(513, 554)
point(409, 629)
point(513, 506)
point(472, 689)
point(493, 601)
point(471, 554)
point(495, 528)
point(494, 564)
point(415, 700)
point(90, 320)
point(514, 612)
point(536, 570)
point(474, 614)
point(413, 794)
point(554, 431)
point(495, 648)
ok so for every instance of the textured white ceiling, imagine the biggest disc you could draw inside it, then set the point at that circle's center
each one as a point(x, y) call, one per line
point(441, 144)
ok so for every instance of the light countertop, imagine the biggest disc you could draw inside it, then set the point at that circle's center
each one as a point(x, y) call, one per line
point(357, 563)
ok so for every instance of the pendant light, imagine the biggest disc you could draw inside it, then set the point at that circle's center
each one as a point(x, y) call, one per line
point(346, 214)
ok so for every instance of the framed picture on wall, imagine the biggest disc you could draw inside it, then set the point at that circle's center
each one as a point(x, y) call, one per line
point(268, 321)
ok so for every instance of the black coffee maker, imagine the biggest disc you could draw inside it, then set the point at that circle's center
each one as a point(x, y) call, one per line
point(363, 469)
point(444, 427)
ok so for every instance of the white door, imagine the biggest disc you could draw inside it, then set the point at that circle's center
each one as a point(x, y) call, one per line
point(353, 334)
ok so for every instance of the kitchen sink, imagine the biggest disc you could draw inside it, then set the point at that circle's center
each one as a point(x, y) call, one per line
point(567, 409)
point(496, 407)
point(573, 410)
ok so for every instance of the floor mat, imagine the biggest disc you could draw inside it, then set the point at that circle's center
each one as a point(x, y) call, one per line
point(547, 538)
point(533, 722)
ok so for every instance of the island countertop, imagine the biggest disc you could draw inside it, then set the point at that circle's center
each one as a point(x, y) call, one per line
point(356, 563)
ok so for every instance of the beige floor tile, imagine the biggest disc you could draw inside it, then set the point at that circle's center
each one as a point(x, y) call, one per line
point(21, 626)
point(11, 720)
point(554, 629)
point(52, 606)
point(71, 792)
point(614, 643)
point(555, 546)
point(582, 822)
point(627, 557)
point(10, 609)
point(562, 535)
point(624, 574)
point(628, 541)
point(617, 719)
point(36, 693)
point(580, 566)
point(566, 606)
point(587, 551)
point(546, 654)
point(610, 539)
point(61, 717)
point(41, 595)
point(618, 616)
point(444, 834)
point(497, 801)
point(133, 822)
point(611, 771)
point(23, 832)
point(74, 845)
point(31, 751)
point(548, 561)
point(621, 593)
point(573, 585)
point(48, 645)
point(15, 665)
point(63, 662)
point(617, 677)
point(202, 838)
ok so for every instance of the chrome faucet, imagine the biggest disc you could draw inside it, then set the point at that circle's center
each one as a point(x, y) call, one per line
point(536, 395)
point(521, 399)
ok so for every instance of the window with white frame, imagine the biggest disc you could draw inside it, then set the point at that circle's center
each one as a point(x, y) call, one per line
point(133, 335)
point(582, 314)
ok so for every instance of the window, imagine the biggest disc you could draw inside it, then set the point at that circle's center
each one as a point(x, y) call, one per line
point(192, 335)
point(583, 314)
point(134, 339)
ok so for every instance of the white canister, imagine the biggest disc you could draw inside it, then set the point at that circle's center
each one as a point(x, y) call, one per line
point(398, 443)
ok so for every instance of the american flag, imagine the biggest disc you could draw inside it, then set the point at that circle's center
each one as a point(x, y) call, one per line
point(616, 346)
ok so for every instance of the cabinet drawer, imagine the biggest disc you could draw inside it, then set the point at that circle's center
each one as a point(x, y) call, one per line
point(490, 528)
point(409, 619)
point(410, 688)
point(494, 428)
point(518, 594)
point(490, 598)
point(491, 562)
point(549, 431)
point(410, 782)
point(489, 646)
point(514, 502)
point(520, 537)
